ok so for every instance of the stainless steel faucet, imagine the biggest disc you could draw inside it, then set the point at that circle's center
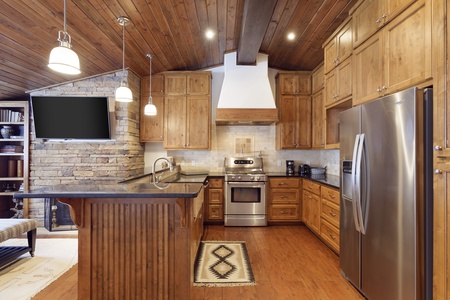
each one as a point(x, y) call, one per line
point(154, 165)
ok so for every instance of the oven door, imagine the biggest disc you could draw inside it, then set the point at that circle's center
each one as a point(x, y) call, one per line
point(245, 198)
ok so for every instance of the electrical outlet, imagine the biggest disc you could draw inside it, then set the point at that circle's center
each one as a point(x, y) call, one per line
point(193, 163)
point(279, 163)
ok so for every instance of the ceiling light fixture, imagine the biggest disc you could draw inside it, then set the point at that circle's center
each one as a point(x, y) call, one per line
point(63, 59)
point(209, 34)
point(123, 93)
point(150, 108)
point(291, 36)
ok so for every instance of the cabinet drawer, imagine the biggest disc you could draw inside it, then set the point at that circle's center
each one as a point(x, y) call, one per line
point(284, 182)
point(330, 212)
point(311, 186)
point(330, 194)
point(284, 196)
point(284, 213)
point(215, 183)
point(329, 234)
point(215, 196)
point(215, 212)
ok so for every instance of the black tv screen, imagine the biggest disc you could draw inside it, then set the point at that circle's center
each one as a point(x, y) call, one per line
point(66, 117)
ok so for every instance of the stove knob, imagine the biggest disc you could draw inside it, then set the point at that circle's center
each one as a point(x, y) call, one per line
point(239, 177)
point(257, 178)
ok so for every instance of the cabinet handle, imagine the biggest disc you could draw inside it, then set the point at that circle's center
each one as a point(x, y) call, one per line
point(383, 16)
point(332, 236)
point(332, 214)
point(437, 171)
point(437, 148)
point(309, 197)
point(331, 195)
point(378, 21)
point(378, 90)
point(384, 87)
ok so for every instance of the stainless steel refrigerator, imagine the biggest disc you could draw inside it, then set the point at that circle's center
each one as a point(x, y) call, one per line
point(386, 196)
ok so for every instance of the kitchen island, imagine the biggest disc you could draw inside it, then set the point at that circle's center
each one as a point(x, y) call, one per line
point(136, 240)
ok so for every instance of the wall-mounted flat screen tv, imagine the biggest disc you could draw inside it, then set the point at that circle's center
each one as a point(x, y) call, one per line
point(66, 117)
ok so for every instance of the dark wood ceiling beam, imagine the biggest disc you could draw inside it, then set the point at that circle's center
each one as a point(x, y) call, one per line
point(257, 15)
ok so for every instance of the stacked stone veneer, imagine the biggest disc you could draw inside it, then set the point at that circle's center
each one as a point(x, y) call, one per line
point(89, 162)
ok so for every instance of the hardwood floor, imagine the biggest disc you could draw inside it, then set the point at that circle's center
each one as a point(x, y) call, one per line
point(289, 262)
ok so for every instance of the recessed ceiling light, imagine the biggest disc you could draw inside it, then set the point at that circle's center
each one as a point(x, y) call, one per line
point(209, 34)
point(291, 36)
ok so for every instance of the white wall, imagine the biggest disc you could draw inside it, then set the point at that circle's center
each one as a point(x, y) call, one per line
point(223, 138)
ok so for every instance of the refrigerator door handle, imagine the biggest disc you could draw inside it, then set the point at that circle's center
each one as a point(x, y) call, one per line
point(358, 182)
point(355, 195)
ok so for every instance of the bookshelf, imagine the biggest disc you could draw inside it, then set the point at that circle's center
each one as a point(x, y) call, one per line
point(14, 157)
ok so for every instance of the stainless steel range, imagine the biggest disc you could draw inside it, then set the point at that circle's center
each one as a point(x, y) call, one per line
point(245, 192)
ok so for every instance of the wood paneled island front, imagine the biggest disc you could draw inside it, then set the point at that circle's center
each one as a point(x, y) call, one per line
point(136, 240)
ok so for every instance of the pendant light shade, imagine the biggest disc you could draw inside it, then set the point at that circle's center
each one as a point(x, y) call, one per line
point(150, 108)
point(62, 58)
point(123, 93)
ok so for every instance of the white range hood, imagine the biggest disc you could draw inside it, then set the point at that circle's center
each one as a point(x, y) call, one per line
point(246, 97)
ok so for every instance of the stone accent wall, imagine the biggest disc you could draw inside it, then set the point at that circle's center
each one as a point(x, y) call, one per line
point(100, 162)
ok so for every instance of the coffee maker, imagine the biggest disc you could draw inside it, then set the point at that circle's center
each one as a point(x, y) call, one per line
point(290, 168)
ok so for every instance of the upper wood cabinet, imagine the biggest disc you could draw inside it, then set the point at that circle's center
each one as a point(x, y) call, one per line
point(338, 47)
point(152, 127)
point(370, 15)
point(294, 83)
point(318, 120)
point(338, 83)
point(317, 79)
point(293, 131)
point(397, 57)
point(188, 114)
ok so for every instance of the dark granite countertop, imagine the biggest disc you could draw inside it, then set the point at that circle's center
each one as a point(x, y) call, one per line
point(190, 188)
point(330, 180)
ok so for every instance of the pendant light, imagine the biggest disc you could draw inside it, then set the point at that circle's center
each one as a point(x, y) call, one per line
point(150, 108)
point(63, 59)
point(123, 93)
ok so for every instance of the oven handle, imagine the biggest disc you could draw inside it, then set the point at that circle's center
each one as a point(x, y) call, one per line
point(255, 184)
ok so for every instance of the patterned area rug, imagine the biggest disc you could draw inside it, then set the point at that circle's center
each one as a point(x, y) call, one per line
point(222, 264)
point(28, 275)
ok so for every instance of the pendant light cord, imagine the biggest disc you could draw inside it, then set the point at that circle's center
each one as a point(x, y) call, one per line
point(150, 56)
point(123, 48)
point(65, 28)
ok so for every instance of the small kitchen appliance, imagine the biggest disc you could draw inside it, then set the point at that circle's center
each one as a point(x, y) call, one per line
point(290, 168)
point(245, 192)
point(304, 169)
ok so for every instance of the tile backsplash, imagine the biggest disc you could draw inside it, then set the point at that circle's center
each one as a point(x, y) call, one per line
point(258, 140)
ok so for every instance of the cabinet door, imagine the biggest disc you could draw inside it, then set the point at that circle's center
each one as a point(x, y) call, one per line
point(295, 84)
point(315, 213)
point(344, 79)
point(286, 134)
point(198, 84)
point(344, 40)
point(175, 84)
point(368, 70)
point(303, 131)
point(317, 80)
point(366, 20)
point(306, 208)
point(318, 120)
point(330, 87)
point(175, 122)
point(407, 41)
point(152, 127)
point(330, 55)
point(393, 7)
point(198, 108)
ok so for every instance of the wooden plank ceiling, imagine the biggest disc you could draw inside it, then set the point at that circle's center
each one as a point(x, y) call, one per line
point(172, 30)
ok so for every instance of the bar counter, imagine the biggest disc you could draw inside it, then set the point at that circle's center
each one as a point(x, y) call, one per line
point(136, 240)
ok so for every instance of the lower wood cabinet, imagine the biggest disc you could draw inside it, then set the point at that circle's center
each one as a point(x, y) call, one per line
point(311, 205)
point(285, 199)
point(214, 195)
point(329, 217)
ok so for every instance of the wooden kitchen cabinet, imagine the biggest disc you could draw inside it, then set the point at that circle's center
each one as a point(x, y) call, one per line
point(311, 205)
point(317, 79)
point(294, 83)
point(338, 47)
point(214, 200)
point(318, 112)
point(284, 199)
point(338, 83)
point(371, 15)
point(395, 58)
point(293, 96)
point(187, 116)
point(152, 127)
point(329, 217)
point(14, 157)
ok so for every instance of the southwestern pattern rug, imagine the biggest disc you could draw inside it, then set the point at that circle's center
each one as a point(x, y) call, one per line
point(222, 264)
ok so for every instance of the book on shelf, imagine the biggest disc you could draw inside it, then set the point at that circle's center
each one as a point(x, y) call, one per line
point(11, 149)
point(8, 115)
